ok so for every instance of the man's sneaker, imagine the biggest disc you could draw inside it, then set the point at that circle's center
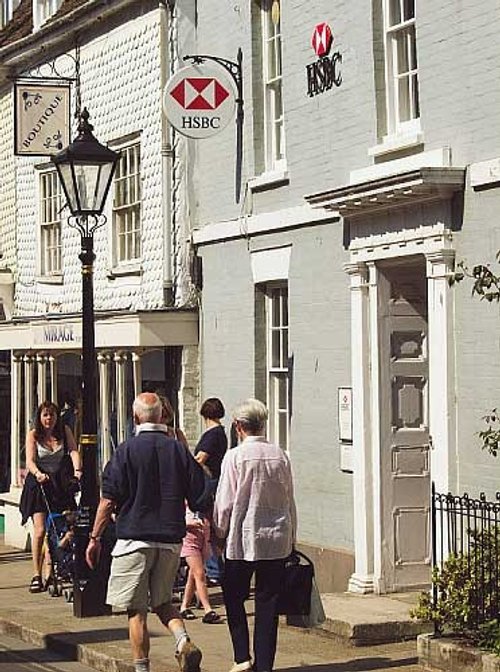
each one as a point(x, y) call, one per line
point(189, 657)
point(242, 667)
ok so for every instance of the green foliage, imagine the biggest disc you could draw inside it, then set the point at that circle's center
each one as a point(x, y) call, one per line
point(490, 436)
point(485, 283)
point(467, 587)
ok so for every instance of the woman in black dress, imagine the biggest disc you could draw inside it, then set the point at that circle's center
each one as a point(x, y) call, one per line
point(52, 462)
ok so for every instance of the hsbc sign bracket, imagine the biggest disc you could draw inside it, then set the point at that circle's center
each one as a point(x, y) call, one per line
point(235, 69)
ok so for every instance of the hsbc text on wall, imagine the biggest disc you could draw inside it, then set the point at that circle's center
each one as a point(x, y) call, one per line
point(199, 100)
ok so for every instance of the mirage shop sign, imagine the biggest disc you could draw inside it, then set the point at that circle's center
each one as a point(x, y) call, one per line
point(41, 118)
point(324, 73)
point(199, 100)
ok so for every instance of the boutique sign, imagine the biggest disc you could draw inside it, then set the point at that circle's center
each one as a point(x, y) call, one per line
point(325, 72)
point(41, 118)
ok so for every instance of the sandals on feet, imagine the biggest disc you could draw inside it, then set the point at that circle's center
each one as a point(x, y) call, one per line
point(188, 615)
point(211, 617)
point(36, 585)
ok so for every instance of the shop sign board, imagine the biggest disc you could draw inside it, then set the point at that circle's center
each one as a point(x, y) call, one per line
point(199, 100)
point(41, 117)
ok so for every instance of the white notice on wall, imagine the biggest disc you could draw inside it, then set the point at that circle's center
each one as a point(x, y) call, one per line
point(345, 413)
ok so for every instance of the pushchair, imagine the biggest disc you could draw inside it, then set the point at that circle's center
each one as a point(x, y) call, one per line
point(60, 544)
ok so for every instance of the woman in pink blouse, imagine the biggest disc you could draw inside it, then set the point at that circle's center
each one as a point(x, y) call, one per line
point(255, 513)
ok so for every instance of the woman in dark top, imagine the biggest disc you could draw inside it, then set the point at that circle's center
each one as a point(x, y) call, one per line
point(209, 452)
point(212, 445)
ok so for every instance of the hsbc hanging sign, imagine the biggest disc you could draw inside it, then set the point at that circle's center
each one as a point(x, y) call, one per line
point(199, 100)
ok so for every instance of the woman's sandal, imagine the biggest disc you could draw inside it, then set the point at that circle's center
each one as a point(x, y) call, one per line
point(211, 617)
point(188, 615)
point(36, 585)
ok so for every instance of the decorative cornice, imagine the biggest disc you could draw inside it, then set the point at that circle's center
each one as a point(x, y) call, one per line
point(393, 191)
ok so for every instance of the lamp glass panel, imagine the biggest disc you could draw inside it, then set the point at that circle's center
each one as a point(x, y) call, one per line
point(91, 183)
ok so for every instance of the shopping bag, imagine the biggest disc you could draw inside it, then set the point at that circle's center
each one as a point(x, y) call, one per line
point(316, 615)
point(295, 595)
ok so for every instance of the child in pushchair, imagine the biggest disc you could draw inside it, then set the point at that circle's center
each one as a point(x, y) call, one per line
point(60, 547)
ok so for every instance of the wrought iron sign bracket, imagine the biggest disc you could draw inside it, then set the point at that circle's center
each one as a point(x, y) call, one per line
point(235, 69)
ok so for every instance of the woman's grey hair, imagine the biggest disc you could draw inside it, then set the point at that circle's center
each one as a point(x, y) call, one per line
point(147, 407)
point(252, 416)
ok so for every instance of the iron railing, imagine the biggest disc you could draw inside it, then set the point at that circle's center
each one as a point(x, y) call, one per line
point(469, 530)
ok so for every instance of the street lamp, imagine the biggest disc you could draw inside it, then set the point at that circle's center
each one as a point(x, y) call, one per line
point(86, 169)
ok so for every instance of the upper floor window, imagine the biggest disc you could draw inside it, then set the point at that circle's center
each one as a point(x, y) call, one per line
point(43, 10)
point(50, 224)
point(278, 364)
point(7, 8)
point(127, 205)
point(401, 66)
point(274, 133)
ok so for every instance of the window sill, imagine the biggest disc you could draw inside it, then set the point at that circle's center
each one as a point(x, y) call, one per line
point(269, 180)
point(397, 143)
point(125, 269)
point(56, 279)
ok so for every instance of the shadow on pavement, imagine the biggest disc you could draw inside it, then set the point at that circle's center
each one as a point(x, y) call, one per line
point(356, 665)
point(17, 556)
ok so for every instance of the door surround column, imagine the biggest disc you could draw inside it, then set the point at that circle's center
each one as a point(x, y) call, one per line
point(362, 579)
point(15, 414)
point(442, 420)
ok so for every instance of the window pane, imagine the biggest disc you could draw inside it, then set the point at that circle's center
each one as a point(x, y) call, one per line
point(404, 99)
point(415, 94)
point(394, 12)
point(402, 53)
point(284, 348)
point(283, 431)
point(282, 393)
point(275, 349)
point(275, 310)
point(409, 9)
point(412, 48)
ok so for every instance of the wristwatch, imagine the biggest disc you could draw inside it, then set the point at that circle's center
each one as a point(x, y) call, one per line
point(93, 537)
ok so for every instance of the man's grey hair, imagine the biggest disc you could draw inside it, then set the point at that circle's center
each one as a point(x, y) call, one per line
point(252, 415)
point(147, 407)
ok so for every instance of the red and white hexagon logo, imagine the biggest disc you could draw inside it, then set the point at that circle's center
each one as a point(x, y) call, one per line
point(322, 39)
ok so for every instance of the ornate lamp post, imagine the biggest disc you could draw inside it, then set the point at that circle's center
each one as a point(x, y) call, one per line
point(86, 169)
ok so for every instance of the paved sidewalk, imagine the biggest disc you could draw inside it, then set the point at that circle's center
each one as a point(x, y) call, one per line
point(102, 642)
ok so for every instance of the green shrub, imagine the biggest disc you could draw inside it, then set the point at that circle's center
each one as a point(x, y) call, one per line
point(467, 592)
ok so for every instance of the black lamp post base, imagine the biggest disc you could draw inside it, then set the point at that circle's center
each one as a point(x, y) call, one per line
point(90, 585)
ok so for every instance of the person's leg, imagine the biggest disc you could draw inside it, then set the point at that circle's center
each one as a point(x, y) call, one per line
point(197, 571)
point(235, 588)
point(268, 580)
point(37, 544)
point(161, 582)
point(139, 639)
point(189, 589)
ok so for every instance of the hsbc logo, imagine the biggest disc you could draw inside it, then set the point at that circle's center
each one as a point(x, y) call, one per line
point(199, 93)
point(199, 100)
point(322, 39)
point(325, 72)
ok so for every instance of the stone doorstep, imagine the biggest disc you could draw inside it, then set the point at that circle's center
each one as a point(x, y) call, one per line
point(454, 655)
point(369, 634)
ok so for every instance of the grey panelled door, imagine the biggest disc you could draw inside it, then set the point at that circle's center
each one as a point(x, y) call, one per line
point(404, 426)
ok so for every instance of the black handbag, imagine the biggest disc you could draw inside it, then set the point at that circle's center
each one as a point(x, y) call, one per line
point(295, 594)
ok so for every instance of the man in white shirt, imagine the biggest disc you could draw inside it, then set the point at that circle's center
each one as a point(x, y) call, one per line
point(255, 513)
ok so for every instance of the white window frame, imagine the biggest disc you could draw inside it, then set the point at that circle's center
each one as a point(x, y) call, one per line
point(278, 374)
point(127, 211)
point(7, 8)
point(401, 33)
point(50, 203)
point(43, 10)
point(272, 76)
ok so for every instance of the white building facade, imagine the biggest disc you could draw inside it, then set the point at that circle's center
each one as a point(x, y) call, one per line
point(145, 306)
point(364, 181)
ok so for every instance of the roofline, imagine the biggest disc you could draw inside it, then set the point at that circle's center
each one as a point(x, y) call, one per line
point(56, 35)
